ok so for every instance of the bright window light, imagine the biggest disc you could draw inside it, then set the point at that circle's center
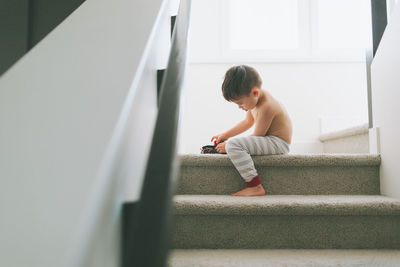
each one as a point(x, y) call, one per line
point(263, 24)
point(342, 24)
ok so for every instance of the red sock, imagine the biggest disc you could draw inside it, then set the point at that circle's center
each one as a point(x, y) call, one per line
point(253, 182)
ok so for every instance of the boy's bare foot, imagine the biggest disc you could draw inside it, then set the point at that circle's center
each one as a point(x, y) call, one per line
point(251, 191)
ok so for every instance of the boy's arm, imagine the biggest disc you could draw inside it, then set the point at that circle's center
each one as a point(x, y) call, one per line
point(241, 126)
point(264, 120)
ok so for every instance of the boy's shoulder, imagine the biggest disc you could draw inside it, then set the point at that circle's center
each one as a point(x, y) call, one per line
point(268, 101)
point(270, 104)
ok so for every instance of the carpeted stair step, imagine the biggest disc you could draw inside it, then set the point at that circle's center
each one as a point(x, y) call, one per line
point(286, 221)
point(307, 174)
point(282, 257)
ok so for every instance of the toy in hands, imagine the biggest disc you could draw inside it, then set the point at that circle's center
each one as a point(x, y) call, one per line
point(210, 149)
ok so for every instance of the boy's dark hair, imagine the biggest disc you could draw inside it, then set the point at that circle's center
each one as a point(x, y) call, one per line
point(238, 82)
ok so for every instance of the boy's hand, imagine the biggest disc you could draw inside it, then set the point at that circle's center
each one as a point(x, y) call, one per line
point(219, 137)
point(221, 148)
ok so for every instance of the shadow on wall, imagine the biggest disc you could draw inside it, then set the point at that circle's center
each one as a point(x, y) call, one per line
point(24, 23)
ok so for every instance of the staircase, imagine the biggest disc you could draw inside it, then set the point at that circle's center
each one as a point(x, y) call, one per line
point(312, 202)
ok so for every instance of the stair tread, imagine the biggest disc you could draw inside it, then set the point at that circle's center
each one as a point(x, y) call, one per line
point(286, 205)
point(318, 159)
point(283, 257)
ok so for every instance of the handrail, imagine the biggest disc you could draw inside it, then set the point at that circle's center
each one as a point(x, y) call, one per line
point(149, 239)
point(378, 23)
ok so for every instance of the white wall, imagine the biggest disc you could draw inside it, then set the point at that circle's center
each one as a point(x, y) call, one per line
point(390, 5)
point(385, 106)
point(309, 91)
point(63, 107)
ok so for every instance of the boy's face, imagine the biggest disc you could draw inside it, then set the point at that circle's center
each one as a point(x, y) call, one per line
point(248, 102)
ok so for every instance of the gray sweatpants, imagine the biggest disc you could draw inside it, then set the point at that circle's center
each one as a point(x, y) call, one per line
point(239, 150)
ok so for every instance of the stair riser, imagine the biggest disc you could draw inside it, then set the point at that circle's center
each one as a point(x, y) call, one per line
point(278, 232)
point(282, 180)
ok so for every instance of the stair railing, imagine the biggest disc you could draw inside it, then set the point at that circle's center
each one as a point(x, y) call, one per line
point(147, 223)
point(378, 25)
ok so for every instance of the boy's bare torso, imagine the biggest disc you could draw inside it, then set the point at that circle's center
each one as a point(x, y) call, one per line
point(281, 125)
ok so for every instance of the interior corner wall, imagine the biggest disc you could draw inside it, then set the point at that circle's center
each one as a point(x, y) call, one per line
point(385, 81)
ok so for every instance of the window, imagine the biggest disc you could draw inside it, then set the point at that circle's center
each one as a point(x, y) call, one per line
point(294, 30)
point(254, 24)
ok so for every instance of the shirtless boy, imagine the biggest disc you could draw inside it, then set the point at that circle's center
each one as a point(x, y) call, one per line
point(273, 127)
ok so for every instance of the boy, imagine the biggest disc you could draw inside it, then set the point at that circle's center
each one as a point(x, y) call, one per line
point(273, 127)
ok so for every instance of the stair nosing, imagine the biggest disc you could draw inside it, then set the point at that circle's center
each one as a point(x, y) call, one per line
point(284, 160)
point(354, 205)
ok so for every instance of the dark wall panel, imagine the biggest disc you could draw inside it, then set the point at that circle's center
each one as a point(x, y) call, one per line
point(47, 14)
point(23, 23)
point(13, 31)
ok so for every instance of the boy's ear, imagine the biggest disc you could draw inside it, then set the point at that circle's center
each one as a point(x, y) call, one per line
point(254, 91)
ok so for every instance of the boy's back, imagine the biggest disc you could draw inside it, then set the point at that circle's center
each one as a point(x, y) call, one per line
point(281, 125)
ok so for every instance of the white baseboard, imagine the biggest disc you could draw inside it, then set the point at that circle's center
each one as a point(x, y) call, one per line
point(306, 147)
